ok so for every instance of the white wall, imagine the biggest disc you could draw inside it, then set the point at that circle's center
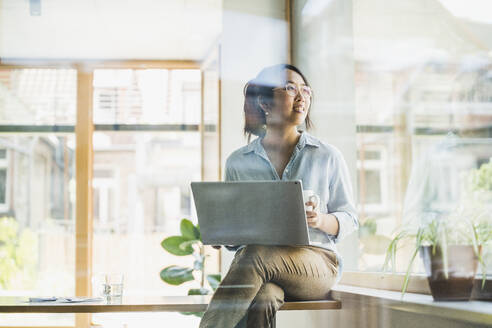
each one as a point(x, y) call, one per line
point(254, 36)
point(110, 29)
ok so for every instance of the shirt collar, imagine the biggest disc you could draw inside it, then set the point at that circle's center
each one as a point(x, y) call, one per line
point(305, 140)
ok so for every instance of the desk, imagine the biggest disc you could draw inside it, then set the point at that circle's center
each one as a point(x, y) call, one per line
point(195, 303)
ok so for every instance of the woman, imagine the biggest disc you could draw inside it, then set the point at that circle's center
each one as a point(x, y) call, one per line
point(260, 278)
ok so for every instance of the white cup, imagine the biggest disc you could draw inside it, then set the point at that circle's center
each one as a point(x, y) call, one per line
point(310, 195)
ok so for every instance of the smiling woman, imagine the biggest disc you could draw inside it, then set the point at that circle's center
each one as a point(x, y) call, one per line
point(262, 277)
point(260, 98)
point(108, 109)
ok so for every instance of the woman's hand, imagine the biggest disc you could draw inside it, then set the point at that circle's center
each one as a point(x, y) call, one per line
point(322, 221)
point(314, 218)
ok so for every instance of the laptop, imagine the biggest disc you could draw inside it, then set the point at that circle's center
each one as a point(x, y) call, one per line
point(251, 212)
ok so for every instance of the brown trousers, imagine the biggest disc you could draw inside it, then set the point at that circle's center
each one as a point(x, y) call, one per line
point(261, 277)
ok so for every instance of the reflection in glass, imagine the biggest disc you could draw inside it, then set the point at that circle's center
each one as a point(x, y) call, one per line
point(37, 205)
point(141, 192)
point(150, 96)
point(415, 83)
point(38, 96)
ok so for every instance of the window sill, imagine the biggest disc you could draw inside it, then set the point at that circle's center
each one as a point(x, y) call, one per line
point(386, 281)
point(472, 311)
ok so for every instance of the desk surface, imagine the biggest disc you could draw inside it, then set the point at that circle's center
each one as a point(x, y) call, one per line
point(196, 303)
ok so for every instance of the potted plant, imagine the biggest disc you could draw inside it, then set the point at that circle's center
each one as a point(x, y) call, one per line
point(451, 242)
point(480, 188)
point(450, 250)
point(189, 243)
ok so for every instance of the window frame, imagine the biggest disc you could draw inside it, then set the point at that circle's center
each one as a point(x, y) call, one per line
point(379, 165)
point(110, 185)
point(83, 130)
point(4, 164)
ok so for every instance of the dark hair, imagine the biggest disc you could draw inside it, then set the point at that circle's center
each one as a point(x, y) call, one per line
point(262, 85)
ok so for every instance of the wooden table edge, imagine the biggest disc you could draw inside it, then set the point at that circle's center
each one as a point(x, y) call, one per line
point(169, 307)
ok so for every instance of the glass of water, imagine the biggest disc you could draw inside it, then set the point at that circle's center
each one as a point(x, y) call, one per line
point(113, 285)
point(109, 286)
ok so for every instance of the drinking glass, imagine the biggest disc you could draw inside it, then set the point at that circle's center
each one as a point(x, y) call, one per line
point(109, 286)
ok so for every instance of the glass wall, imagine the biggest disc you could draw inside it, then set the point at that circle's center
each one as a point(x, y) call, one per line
point(403, 88)
point(424, 108)
point(405, 92)
point(141, 179)
point(37, 185)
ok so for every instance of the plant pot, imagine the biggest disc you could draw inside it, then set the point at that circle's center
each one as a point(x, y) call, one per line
point(461, 268)
point(479, 293)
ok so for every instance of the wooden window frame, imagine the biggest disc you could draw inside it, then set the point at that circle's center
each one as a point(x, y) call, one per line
point(83, 131)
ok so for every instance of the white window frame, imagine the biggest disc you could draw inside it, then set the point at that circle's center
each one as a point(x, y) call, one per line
point(380, 165)
point(108, 184)
point(4, 164)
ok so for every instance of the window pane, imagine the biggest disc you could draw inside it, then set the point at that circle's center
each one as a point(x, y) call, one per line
point(401, 90)
point(35, 96)
point(368, 155)
point(413, 86)
point(3, 153)
point(39, 186)
point(211, 137)
point(371, 187)
point(151, 96)
point(141, 193)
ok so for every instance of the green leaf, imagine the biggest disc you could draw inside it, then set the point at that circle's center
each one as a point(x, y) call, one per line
point(418, 244)
point(175, 275)
point(172, 245)
point(214, 280)
point(188, 230)
point(189, 243)
point(391, 251)
point(198, 291)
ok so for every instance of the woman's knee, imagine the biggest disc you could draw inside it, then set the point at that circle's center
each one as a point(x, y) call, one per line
point(265, 260)
point(270, 294)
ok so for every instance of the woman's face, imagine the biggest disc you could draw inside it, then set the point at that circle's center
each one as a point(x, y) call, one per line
point(287, 109)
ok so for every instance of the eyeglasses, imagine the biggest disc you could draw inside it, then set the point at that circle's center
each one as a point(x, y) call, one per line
point(292, 89)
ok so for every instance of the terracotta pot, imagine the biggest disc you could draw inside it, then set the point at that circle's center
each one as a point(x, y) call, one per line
point(462, 266)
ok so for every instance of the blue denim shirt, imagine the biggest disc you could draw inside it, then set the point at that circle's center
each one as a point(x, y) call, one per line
point(319, 166)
